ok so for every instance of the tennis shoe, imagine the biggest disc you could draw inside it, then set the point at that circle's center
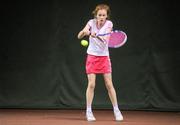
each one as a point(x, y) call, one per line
point(118, 115)
point(90, 117)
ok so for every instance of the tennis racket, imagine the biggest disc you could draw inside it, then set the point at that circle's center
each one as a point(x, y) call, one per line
point(117, 38)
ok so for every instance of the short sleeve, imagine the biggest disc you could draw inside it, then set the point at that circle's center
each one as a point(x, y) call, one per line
point(110, 24)
point(90, 22)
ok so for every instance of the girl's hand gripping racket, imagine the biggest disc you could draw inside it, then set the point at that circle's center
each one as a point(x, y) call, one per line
point(116, 39)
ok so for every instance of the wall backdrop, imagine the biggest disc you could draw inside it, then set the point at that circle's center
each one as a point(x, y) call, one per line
point(42, 64)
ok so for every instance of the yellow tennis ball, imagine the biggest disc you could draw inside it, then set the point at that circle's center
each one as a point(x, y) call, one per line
point(84, 42)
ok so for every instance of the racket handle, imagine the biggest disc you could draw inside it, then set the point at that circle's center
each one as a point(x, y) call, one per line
point(100, 39)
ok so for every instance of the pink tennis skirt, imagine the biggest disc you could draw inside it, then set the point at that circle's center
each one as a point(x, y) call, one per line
point(98, 64)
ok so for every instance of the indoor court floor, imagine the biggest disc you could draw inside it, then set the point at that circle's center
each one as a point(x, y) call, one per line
point(77, 117)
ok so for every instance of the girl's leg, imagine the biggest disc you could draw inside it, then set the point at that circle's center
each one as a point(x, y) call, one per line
point(112, 96)
point(90, 96)
point(110, 88)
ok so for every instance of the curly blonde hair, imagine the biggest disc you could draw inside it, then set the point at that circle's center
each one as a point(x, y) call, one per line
point(99, 7)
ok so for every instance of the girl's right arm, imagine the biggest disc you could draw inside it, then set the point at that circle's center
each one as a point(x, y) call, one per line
point(84, 32)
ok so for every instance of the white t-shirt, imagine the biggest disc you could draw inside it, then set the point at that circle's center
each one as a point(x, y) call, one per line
point(97, 47)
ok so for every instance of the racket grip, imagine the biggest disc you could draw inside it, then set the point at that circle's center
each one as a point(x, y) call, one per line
point(100, 39)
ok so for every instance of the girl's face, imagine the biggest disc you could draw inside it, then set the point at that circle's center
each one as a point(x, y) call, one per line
point(101, 16)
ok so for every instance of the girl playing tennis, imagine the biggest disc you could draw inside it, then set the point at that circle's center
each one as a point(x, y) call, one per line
point(98, 60)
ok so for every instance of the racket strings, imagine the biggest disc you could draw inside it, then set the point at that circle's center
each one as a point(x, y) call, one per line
point(117, 39)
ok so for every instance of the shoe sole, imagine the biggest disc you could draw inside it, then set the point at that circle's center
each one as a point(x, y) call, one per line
point(119, 120)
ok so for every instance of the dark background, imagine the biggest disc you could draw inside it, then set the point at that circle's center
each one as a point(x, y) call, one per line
point(42, 64)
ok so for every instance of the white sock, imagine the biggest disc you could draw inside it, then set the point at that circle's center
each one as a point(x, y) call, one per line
point(115, 108)
point(88, 109)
